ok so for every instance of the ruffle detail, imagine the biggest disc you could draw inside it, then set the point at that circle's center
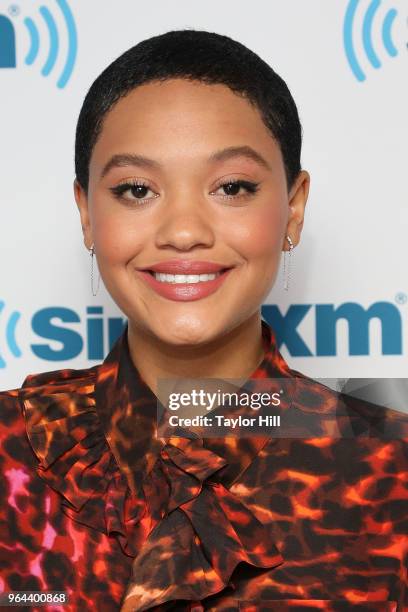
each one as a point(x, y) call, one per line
point(204, 534)
point(185, 530)
point(74, 459)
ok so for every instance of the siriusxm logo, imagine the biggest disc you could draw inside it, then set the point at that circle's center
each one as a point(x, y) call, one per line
point(368, 23)
point(96, 334)
point(44, 22)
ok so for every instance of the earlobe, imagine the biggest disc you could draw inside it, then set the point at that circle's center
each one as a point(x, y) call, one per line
point(289, 244)
point(293, 231)
point(289, 239)
point(297, 203)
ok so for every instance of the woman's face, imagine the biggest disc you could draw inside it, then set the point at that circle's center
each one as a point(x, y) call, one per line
point(160, 190)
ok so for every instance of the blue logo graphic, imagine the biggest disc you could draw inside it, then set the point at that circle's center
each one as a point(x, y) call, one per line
point(97, 333)
point(366, 33)
point(326, 315)
point(97, 341)
point(10, 335)
point(8, 41)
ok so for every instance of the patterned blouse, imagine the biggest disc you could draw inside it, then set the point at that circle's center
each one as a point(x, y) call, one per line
point(95, 504)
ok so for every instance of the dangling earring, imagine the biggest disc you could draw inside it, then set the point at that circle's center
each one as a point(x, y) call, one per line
point(287, 256)
point(92, 251)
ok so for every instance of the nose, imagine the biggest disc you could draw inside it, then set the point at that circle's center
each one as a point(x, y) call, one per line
point(186, 222)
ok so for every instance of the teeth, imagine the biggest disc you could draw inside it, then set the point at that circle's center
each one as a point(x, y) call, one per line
point(184, 278)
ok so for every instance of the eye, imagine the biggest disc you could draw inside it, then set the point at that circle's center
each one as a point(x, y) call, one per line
point(232, 188)
point(138, 189)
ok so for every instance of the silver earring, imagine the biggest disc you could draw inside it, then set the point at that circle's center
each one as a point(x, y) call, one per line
point(92, 251)
point(287, 256)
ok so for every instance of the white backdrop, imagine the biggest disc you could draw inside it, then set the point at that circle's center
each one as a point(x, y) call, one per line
point(353, 252)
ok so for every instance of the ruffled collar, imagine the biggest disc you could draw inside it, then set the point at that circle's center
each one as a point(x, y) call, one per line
point(167, 502)
point(127, 409)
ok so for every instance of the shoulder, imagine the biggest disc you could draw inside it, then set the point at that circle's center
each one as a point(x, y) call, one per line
point(12, 401)
point(34, 401)
point(364, 417)
point(55, 380)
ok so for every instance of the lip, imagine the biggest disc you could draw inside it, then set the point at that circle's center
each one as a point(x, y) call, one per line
point(185, 292)
point(186, 266)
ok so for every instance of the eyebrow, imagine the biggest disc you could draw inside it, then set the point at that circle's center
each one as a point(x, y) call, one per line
point(132, 159)
point(243, 151)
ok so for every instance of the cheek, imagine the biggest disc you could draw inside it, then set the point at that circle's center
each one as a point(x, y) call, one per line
point(118, 239)
point(258, 236)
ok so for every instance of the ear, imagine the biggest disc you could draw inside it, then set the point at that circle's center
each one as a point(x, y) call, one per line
point(82, 203)
point(297, 203)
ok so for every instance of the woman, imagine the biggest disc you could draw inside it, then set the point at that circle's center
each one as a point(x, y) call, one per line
point(187, 162)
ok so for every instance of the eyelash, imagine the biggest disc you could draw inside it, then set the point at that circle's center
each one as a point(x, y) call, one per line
point(119, 190)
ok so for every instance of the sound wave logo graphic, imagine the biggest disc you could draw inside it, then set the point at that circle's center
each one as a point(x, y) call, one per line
point(367, 28)
point(33, 26)
point(10, 335)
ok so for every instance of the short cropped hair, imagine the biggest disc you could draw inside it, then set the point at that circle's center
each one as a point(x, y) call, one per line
point(196, 55)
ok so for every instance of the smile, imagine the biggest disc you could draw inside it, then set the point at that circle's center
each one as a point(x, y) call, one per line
point(184, 278)
point(184, 287)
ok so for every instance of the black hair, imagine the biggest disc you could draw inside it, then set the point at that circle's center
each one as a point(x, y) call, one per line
point(195, 55)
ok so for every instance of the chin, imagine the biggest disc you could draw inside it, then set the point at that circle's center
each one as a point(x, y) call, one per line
point(187, 332)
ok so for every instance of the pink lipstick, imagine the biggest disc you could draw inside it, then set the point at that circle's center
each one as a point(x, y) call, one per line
point(185, 280)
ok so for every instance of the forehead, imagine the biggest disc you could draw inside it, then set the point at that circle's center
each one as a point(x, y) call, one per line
point(182, 117)
point(174, 96)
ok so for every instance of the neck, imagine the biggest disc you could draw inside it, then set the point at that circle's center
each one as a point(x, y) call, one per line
point(236, 354)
